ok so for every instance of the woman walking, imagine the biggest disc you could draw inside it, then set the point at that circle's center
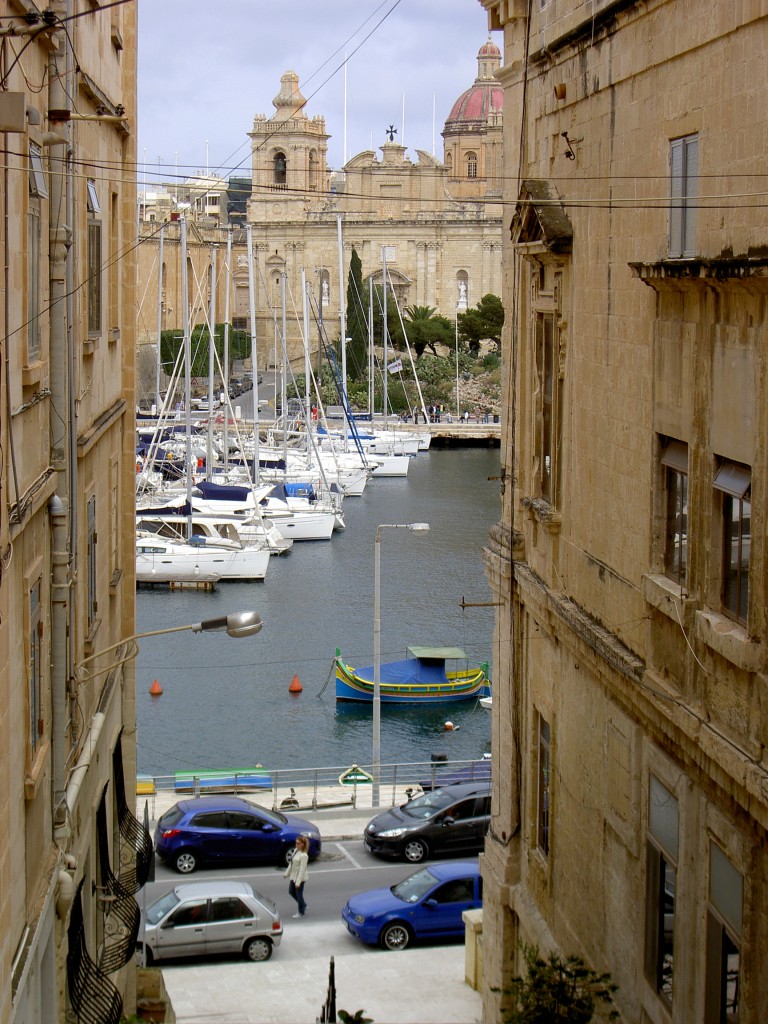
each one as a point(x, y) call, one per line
point(297, 873)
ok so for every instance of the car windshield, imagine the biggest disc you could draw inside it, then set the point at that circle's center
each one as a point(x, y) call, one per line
point(274, 817)
point(157, 911)
point(427, 805)
point(411, 889)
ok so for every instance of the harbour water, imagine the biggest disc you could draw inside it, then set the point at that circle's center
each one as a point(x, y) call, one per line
point(226, 702)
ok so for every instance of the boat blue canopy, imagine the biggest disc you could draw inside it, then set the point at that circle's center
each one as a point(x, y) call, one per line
point(427, 666)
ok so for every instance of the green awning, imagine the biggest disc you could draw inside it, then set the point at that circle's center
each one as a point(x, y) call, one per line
point(438, 653)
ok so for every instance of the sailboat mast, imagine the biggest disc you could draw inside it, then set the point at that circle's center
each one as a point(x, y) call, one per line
point(342, 316)
point(371, 363)
point(227, 288)
point(211, 350)
point(283, 381)
point(305, 312)
point(254, 370)
point(385, 371)
point(187, 372)
point(161, 284)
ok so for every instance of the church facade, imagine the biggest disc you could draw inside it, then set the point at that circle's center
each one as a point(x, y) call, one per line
point(437, 224)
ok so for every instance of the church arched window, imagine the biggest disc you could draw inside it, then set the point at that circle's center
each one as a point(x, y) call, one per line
point(449, 163)
point(279, 166)
point(471, 165)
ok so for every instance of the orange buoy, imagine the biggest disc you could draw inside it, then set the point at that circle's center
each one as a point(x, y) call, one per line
point(295, 686)
point(156, 689)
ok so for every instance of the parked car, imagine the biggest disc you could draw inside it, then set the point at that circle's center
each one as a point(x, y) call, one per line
point(450, 820)
point(201, 918)
point(219, 829)
point(426, 905)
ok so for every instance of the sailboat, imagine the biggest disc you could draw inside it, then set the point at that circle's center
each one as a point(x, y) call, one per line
point(173, 543)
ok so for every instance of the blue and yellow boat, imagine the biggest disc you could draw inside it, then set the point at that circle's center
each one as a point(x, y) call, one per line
point(421, 678)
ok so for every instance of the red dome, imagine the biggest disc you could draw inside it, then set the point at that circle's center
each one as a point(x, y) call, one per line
point(474, 105)
point(473, 108)
point(489, 49)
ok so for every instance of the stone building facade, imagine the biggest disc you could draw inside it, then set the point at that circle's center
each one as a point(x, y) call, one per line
point(630, 726)
point(71, 853)
point(438, 222)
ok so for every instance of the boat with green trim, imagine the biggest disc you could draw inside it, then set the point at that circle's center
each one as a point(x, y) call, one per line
point(421, 678)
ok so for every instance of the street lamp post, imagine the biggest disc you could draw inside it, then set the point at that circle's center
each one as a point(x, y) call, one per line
point(376, 760)
point(237, 624)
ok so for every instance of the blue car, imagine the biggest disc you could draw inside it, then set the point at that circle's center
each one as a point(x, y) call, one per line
point(426, 905)
point(228, 829)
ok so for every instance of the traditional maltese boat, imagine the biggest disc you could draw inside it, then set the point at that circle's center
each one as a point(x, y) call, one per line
point(421, 678)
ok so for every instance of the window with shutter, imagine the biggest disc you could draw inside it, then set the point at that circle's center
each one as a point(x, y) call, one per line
point(683, 173)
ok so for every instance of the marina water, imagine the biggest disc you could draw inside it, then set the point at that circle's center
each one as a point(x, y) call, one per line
point(226, 702)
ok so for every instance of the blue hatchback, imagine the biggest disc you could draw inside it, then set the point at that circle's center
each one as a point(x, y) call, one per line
point(426, 905)
point(229, 829)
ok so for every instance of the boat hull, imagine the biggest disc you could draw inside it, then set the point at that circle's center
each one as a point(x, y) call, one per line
point(357, 685)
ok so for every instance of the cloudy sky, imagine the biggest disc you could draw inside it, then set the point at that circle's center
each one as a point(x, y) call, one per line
point(206, 68)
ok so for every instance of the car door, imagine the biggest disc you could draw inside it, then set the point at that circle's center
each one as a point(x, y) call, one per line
point(253, 837)
point(439, 913)
point(458, 829)
point(230, 923)
point(182, 933)
point(208, 833)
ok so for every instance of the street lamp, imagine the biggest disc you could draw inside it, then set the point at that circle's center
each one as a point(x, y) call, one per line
point(238, 624)
point(416, 528)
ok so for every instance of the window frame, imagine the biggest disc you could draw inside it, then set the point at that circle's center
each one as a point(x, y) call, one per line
point(92, 604)
point(549, 399)
point(471, 160)
point(543, 785)
point(733, 482)
point(674, 460)
point(34, 665)
point(93, 261)
point(683, 191)
point(662, 851)
point(724, 930)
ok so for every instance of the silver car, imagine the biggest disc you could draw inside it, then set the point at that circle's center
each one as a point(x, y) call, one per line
point(202, 918)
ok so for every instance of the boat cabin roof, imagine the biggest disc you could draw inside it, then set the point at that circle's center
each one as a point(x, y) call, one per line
point(437, 653)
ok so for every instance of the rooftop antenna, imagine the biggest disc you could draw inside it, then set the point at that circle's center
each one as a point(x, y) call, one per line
point(433, 124)
point(402, 137)
point(345, 109)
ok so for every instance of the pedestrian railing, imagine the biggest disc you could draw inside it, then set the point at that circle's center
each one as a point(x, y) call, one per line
point(292, 789)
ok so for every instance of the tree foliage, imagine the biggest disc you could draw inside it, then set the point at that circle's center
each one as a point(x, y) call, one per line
point(357, 320)
point(426, 328)
point(557, 990)
point(171, 343)
point(483, 323)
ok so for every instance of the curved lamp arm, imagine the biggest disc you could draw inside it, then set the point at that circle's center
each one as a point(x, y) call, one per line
point(238, 624)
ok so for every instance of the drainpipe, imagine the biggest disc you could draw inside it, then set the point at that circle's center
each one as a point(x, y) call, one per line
point(60, 241)
point(57, 511)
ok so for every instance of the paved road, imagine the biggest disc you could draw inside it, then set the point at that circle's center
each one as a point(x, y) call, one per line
point(419, 985)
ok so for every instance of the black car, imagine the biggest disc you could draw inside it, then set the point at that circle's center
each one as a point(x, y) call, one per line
point(451, 820)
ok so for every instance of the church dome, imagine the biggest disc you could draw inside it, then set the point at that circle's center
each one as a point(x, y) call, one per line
point(475, 105)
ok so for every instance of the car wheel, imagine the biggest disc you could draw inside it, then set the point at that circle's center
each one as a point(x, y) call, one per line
point(287, 855)
point(143, 955)
point(257, 949)
point(185, 862)
point(415, 850)
point(395, 936)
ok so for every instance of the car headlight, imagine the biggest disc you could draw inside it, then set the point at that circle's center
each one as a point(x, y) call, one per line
point(359, 919)
point(392, 833)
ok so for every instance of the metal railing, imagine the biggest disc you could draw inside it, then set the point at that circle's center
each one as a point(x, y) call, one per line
point(317, 788)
